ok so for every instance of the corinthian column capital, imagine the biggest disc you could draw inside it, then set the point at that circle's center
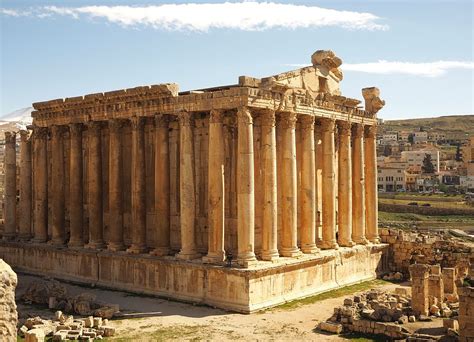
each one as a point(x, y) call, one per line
point(137, 122)
point(328, 125)
point(370, 131)
point(357, 130)
point(75, 128)
point(40, 132)
point(344, 127)
point(57, 130)
point(244, 115)
point(24, 135)
point(268, 117)
point(10, 137)
point(307, 122)
point(216, 116)
point(287, 119)
point(185, 118)
point(161, 120)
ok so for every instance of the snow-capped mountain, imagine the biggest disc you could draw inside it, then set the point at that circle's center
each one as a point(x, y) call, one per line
point(20, 117)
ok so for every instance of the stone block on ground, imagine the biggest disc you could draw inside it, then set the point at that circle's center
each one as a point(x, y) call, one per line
point(35, 335)
point(334, 328)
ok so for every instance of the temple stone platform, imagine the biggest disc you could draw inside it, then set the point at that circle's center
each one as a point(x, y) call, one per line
point(244, 290)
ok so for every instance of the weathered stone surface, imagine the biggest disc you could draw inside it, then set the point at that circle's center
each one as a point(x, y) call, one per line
point(330, 327)
point(8, 313)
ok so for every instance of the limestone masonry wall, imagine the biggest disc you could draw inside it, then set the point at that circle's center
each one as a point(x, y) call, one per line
point(466, 314)
point(407, 248)
point(8, 313)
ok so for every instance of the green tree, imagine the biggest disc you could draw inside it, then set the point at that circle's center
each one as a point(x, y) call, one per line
point(427, 166)
point(411, 138)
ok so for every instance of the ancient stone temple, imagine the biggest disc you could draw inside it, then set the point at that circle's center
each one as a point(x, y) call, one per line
point(240, 196)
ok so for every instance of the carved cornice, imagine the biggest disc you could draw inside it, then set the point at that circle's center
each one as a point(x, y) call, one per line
point(244, 116)
point(216, 116)
point(185, 118)
point(287, 119)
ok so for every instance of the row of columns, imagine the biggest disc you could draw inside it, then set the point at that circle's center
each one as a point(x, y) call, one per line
point(356, 211)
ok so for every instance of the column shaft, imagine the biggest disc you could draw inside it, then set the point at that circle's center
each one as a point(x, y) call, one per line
point(371, 195)
point(345, 186)
point(358, 191)
point(76, 195)
point(187, 188)
point(115, 242)
point(319, 180)
point(308, 186)
point(328, 188)
point(289, 243)
point(95, 186)
point(10, 186)
point(162, 186)
point(40, 174)
point(269, 159)
point(25, 186)
point(138, 187)
point(216, 176)
point(245, 189)
point(57, 186)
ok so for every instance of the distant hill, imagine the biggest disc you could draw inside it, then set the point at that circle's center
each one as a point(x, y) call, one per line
point(15, 121)
point(452, 123)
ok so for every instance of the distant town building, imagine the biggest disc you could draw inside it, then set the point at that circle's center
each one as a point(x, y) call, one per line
point(415, 158)
point(420, 137)
point(391, 178)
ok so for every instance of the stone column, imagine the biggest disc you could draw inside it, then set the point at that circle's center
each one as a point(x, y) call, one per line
point(40, 194)
point(344, 210)
point(216, 183)
point(10, 186)
point(76, 195)
point(308, 186)
point(162, 186)
point(466, 312)
point(329, 182)
point(318, 179)
point(289, 243)
point(57, 186)
point(269, 159)
point(187, 191)
point(358, 186)
point(95, 186)
point(245, 189)
point(138, 187)
point(115, 242)
point(25, 186)
point(449, 280)
point(371, 196)
point(419, 288)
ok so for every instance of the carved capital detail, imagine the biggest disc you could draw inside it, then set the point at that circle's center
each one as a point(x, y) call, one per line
point(307, 122)
point(328, 125)
point(344, 127)
point(137, 122)
point(40, 132)
point(76, 129)
point(370, 132)
point(216, 116)
point(94, 127)
point(57, 131)
point(10, 137)
point(115, 125)
point(268, 118)
point(357, 130)
point(162, 120)
point(185, 118)
point(24, 135)
point(244, 116)
point(287, 119)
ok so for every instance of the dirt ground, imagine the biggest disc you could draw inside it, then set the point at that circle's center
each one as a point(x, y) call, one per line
point(154, 319)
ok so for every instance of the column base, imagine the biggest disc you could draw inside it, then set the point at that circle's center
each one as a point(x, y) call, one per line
point(329, 245)
point(75, 244)
point(115, 247)
point(57, 242)
point(8, 236)
point(271, 255)
point(374, 240)
point(346, 243)
point(136, 249)
point(245, 263)
point(95, 245)
point(214, 258)
point(310, 249)
point(290, 252)
point(24, 238)
point(361, 241)
point(160, 251)
point(188, 255)
point(39, 240)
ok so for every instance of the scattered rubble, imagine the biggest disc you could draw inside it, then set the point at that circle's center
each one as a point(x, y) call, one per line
point(66, 327)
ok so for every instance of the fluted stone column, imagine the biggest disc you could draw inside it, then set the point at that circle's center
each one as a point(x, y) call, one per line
point(162, 186)
point(57, 186)
point(289, 243)
point(358, 186)
point(95, 186)
point(269, 158)
point(308, 186)
point(25, 186)
point(76, 194)
point(318, 179)
point(329, 192)
point(371, 205)
point(40, 175)
point(187, 188)
point(115, 241)
point(10, 186)
point(344, 186)
point(138, 187)
point(216, 183)
point(245, 189)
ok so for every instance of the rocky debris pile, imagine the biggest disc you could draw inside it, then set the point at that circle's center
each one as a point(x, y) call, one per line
point(56, 296)
point(8, 313)
point(66, 327)
point(393, 276)
point(384, 313)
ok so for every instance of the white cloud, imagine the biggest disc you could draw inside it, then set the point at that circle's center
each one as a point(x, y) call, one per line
point(247, 16)
point(430, 69)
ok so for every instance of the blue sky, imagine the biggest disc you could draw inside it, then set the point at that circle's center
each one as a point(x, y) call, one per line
point(419, 53)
